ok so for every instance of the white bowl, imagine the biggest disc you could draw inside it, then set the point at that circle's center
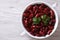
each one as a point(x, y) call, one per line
point(56, 23)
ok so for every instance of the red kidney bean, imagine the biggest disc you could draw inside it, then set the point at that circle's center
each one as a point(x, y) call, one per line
point(40, 9)
point(46, 29)
point(52, 22)
point(50, 27)
point(26, 14)
point(37, 15)
point(32, 30)
point(38, 27)
point(49, 32)
point(28, 29)
point(38, 35)
point(30, 20)
point(33, 27)
point(42, 33)
point(31, 15)
point(46, 10)
point(35, 12)
point(52, 14)
point(41, 24)
point(25, 21)
point(43, 5)
point(43, 28)
point(32, 33)
point(35, 8)
point(30, 11)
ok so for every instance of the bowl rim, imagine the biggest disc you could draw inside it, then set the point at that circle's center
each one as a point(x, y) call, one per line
point(55, 26)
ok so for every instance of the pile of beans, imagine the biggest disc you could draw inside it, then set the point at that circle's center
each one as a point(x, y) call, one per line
point(37, 10)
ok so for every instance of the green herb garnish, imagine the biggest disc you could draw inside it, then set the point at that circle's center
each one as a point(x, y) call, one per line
point(45, 19)
point(36, 20)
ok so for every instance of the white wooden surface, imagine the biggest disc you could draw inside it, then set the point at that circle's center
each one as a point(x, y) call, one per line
point(10, 27)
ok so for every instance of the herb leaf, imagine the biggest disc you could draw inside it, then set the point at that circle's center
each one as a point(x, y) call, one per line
point(36, 20)
point(45, 19)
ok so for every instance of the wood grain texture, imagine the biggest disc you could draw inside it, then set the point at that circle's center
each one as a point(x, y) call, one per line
point(10, 22)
